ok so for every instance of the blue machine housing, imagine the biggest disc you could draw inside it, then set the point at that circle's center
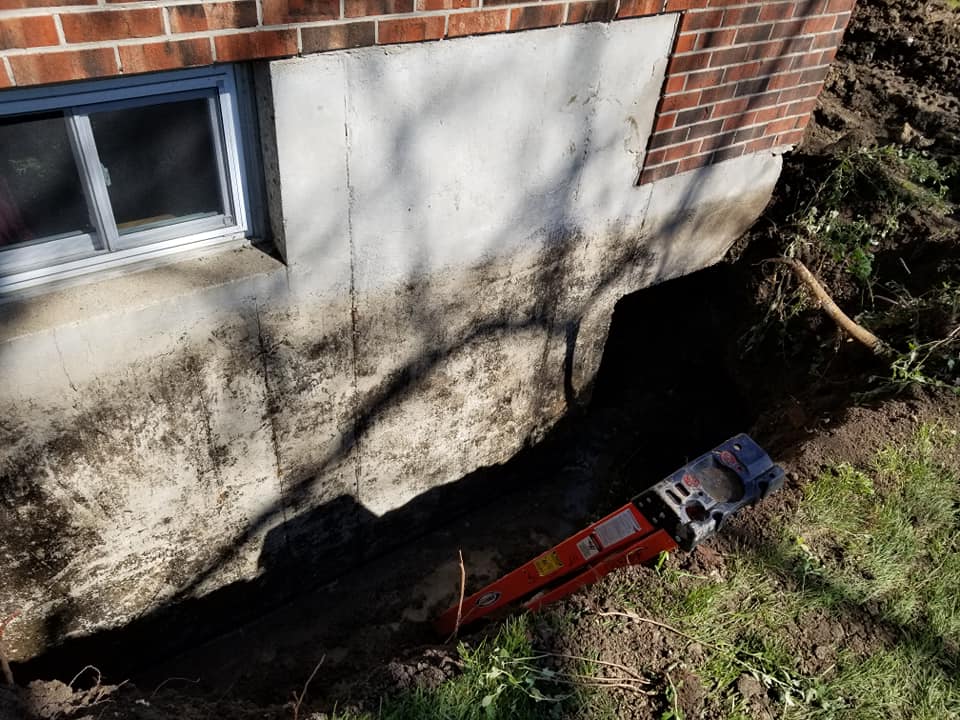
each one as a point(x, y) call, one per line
point(695, 501)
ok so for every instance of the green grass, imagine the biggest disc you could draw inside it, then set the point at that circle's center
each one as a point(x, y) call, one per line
point(873, 546)
point(503, 677)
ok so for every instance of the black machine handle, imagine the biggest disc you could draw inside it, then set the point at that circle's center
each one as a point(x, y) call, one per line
point(696, 500)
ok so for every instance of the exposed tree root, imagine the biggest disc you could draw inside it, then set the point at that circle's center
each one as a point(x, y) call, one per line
point(843, 321)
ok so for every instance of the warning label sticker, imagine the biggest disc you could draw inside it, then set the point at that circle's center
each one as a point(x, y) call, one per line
point(620, 526)
point(546, 564)
point(588, 547)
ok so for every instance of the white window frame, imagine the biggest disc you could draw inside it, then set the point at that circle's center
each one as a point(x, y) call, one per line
point(219, 83)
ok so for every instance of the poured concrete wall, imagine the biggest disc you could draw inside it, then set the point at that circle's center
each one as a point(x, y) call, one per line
point(457, 221)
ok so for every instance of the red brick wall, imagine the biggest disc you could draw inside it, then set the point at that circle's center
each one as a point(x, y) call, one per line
point(743, 76)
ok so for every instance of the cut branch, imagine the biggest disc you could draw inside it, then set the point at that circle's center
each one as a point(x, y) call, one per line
point(843, 321)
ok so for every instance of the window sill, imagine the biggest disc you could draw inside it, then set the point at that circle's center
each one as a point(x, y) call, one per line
point(128, 288)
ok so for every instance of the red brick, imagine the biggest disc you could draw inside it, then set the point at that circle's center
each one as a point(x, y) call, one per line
point(672, 137)
point(338, 37)
point(664, 122)
point(414, 29)
point(693, 116)
point(28, 32)
point(112, 25)
point(786, 80)
point(795, 45)
point(728, 153)
point(838, 6)
point(51, 67)
point(652, 174)
point(751, 87)
point(769, 114)
point(804, 107)
point(213, 16)
point(779, 126)
point(818, 24)
point(802, 62)
point(715, 38)
point(694, 163)
point(777, 11)
point(741, 72)
point(677, 152)
point(741, 16)
point(766, 50)
point(705, 129)
point(674, 84)
point(251, 45)
point(703, 79)
point(841, 22)
point(731, 107)
point(745, 134)
point(787, 29)
point(728, 56)
point(681, 5)
point(278, 12)
point(361, 8)
point(827, 41)
point(735, 122)
point(800, 93)
point(764, 143)
point(726, 3)
point(33, 4)
point(765, 100)
point(701, 20)
point(803, 121)
point(445, 4)
point(165, 55)
point(716, 141)
point(685, 42)
point(536, 16)
point(686, 63)
point(776, 65)
point(636, 8)
point(790, 138)
point(5, 79)
point(679, 102)
point(599, 10)
point(477, 23)
point(814, 76)
point(717, 93)
point(827, 56)
point(754, 33)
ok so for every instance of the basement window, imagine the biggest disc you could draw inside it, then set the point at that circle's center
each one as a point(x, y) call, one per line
point(106, 173)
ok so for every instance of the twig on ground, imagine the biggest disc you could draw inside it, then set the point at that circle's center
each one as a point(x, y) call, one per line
point(649, 621)
point(85, 668)
point(298, 699)
point(463, 587)
point(617, 666)
point(162, 685)
point(4, 660)
point(843, 321)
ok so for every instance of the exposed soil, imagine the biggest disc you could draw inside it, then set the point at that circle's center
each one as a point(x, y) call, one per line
point(896, 80)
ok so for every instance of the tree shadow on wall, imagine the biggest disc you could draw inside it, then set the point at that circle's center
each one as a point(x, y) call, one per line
point(663, 395)
point(661, 420)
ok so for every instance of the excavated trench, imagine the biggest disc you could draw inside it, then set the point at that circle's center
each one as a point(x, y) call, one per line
point(674, 382)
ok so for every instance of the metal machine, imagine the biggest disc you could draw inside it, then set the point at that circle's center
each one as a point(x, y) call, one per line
point(682, 510)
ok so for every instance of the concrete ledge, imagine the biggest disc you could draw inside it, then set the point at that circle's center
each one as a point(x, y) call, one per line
point(129, 290)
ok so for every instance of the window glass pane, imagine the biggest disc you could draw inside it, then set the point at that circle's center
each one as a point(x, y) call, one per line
point(41, 198)
point(160, 163)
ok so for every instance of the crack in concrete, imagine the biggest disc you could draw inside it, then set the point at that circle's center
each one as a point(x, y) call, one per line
point(271, 403)
point(63, 364)
point(354, 312)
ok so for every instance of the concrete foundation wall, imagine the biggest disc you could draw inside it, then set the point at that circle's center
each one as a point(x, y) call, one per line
point(457, 220)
